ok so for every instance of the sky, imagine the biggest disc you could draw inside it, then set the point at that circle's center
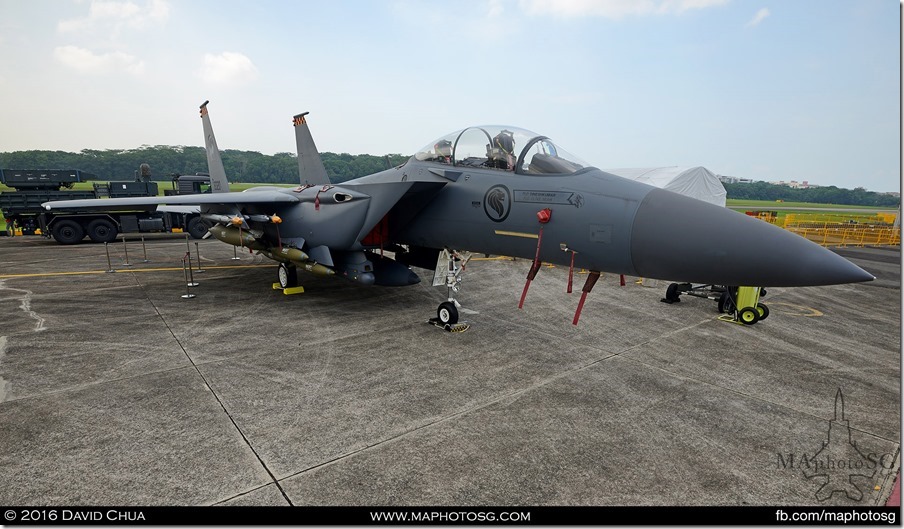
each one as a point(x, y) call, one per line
point(762, 89)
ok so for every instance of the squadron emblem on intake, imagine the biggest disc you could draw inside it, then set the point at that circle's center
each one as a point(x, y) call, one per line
point(497, 203)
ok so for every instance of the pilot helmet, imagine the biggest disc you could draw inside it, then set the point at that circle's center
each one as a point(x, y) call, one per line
point(505, 141)
point(443, 148)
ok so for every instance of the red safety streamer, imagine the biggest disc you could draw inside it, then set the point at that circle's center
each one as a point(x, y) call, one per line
point(323, 189)
point(534, 268)
point(570, 273)
point(588, 286)
point(543, 217)
point(622, 280)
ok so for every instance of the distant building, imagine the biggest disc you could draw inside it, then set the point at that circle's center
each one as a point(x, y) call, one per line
point(794, 184)
point(734, 180)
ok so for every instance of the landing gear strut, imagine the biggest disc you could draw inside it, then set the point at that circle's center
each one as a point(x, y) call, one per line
point(449, 267)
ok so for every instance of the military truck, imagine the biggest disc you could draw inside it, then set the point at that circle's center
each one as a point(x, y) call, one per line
point(32, 187)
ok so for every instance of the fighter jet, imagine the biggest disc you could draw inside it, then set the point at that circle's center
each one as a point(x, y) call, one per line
point(493, 190)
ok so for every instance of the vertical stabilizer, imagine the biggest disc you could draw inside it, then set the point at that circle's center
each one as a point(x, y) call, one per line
point(310, 166)
point(218, 181)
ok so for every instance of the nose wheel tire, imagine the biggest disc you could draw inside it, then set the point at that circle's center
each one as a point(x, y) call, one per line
point(288, 275)
point(447, 313)
point(763, 311)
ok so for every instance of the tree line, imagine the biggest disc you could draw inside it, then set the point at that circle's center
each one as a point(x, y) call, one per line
point(282, 168)
point(164, 160)
point(820, 195)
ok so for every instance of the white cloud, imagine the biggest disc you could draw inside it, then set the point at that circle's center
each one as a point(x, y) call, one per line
point(112, 16)
point(86, 61)
point(227, 67)
point(495, 9)
point(614, 9)
point(758, 17)
point(486, 21)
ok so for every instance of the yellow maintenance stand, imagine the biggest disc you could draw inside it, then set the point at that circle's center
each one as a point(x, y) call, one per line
point(748, 309)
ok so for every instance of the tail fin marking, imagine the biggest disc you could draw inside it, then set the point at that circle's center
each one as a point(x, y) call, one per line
point(310, 167)
point(218, 180)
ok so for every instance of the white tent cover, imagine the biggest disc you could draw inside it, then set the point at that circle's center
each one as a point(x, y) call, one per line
point(694, 182)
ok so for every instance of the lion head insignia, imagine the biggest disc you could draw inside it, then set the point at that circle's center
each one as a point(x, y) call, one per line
point(497, 203)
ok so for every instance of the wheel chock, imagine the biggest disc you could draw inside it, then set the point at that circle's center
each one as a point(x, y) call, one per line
point(288, 291)
point(449, 327)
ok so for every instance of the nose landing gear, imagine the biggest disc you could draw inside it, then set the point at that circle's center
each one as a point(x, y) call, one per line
point(449, 267)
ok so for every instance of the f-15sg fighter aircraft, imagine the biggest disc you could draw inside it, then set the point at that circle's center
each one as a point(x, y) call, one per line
point(494, 190)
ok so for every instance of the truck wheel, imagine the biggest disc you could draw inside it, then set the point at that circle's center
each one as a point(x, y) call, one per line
point(68, 232)
point(196, 228)
point(102, 230)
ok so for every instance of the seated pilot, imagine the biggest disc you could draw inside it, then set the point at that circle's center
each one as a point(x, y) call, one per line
point(443, 151)
point(501, 153)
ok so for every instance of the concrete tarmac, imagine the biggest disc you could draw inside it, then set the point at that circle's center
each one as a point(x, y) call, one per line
point(114, 390)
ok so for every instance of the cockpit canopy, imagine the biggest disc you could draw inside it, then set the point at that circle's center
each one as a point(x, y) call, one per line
point(503, 148)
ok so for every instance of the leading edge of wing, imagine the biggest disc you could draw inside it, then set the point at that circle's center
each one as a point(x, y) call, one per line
point(256, 197)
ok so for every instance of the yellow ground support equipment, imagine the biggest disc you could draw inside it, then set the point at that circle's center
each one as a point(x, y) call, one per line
point(747, 307)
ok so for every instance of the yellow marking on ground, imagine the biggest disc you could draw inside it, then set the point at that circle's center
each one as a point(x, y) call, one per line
point(798, 310)
point(497, 258)
point(517, 234)
point(92, 272)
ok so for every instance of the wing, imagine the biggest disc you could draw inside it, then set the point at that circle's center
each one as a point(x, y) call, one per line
point(188, 210)
point(274, 196)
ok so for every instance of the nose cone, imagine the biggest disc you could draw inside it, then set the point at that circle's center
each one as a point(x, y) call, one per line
point(682, 239)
